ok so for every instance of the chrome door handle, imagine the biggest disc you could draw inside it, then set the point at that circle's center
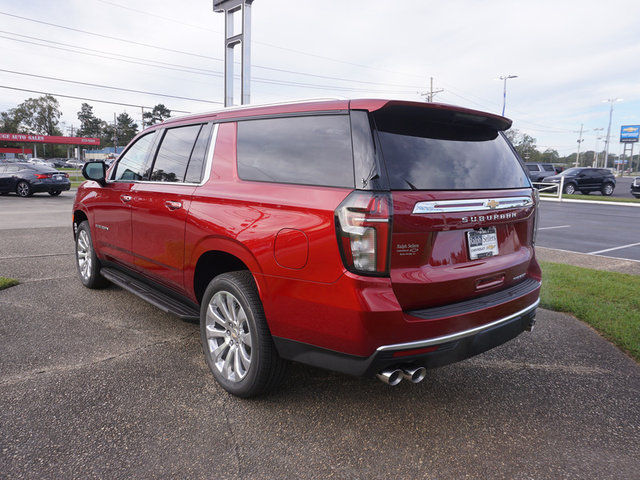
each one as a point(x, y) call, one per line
point(125, 198)
point(173, 205)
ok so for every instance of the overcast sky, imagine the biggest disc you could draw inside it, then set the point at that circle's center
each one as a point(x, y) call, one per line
point(569, 56)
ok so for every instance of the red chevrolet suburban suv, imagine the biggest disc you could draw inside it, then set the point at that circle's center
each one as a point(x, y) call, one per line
point(362, 236)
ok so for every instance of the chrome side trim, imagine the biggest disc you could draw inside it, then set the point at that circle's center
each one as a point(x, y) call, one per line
point(472, 205)
point(456, 336)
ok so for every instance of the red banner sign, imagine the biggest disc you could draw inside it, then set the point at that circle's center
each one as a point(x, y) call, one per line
point(28, 138)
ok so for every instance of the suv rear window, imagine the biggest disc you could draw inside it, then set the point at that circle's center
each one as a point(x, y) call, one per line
point(427, 155)
point(308, 150)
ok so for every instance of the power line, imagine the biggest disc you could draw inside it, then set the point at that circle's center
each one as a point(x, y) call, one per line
point(219, 74)
point(106, 36)
point(119, 39)
point(84, 98)
point(182, 68)
point(300, 52)
point(107, 86)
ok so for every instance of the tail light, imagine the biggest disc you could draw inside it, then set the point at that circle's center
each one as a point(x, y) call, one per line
point(41, 176)
point(363, 226)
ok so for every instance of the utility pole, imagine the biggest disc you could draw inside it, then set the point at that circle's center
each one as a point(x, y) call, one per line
point(115, 133)
point(580, 140)
point(504, 90)
point(431, 93)
point(606, 150)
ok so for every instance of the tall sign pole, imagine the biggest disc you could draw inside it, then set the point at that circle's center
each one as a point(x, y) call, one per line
point(233, 39)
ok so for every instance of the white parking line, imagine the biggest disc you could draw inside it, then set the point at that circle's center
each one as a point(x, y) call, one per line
point(551, 228)
point(614, 248)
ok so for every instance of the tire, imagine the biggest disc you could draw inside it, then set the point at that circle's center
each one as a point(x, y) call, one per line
point(23, 189)
point(55, 193)
point(236, 340)
point(87, 262)
point(569, 189)
point(607, 189)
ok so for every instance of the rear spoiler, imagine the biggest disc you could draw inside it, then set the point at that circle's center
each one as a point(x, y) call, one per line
point(438, 112)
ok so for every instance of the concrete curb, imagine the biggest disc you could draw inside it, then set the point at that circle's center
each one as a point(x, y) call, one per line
point(585, 260)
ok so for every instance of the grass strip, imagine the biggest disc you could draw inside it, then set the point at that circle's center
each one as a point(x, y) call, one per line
point(608, 301)
point(7, 282)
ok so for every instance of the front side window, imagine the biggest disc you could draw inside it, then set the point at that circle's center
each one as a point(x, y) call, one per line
point(174, 154)
point(132, 163)
point(307, 150)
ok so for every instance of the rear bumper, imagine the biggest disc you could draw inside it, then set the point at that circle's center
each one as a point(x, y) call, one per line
point(49, 186)
point(429, 353)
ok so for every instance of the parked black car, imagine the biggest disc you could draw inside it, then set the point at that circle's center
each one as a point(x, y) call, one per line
point(635, 187)
point(538, 171)
point(25, 179)
point(585, 180)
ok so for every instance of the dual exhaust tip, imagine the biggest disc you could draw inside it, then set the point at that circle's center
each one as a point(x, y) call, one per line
point(393, 376)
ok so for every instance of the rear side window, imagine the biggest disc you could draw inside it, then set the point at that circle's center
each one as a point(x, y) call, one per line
point(174, 154)
point(309, 150)
point(198, 156)
point(425, 155)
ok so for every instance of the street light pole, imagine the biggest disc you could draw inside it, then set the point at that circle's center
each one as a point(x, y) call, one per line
point(580, 140)
point(606, 149)
point(504, 91)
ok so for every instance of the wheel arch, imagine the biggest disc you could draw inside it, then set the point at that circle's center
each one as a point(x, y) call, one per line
point(79, 216)
point(217, 256)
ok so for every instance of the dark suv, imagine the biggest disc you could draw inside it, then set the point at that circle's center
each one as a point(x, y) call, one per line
point(585, 180)
point(363, 236)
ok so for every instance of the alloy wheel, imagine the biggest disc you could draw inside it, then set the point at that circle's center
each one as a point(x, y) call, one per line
point(83, 254)
point(228, 336)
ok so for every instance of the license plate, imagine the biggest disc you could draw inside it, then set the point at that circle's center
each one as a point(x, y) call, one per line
point(58, 178)
point(482, 243)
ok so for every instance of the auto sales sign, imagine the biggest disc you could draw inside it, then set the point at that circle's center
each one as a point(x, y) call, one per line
point(629, 133)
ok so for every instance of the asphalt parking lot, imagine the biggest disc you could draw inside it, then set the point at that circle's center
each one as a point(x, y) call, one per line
point(99, 384)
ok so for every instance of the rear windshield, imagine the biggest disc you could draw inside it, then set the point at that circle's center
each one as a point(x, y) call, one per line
point(425, 155)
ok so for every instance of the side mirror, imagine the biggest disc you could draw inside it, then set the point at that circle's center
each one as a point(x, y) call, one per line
point(96, 171)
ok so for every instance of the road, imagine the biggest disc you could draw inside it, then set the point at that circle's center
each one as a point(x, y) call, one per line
point(623, 188)
point(607, 230)
point(99, 384)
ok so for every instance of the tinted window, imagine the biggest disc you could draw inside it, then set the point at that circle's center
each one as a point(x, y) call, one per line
point(422, 153)
point(174, 153)
point(532, 168)
point(198, 157)
point(548, 166)
point(314, 150)
point(131, 164)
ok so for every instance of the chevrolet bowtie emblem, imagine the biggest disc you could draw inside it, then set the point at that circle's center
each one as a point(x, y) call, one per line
point(492, 204)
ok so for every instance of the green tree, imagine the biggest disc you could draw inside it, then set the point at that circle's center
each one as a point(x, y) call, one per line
point(550, 156)
point(524, 144)
point(10, 121)
point(39, 116)
point(159, 114)
point(90, 125)
point(127, 128)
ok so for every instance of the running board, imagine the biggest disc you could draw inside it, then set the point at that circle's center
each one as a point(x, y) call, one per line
point(154, 296)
